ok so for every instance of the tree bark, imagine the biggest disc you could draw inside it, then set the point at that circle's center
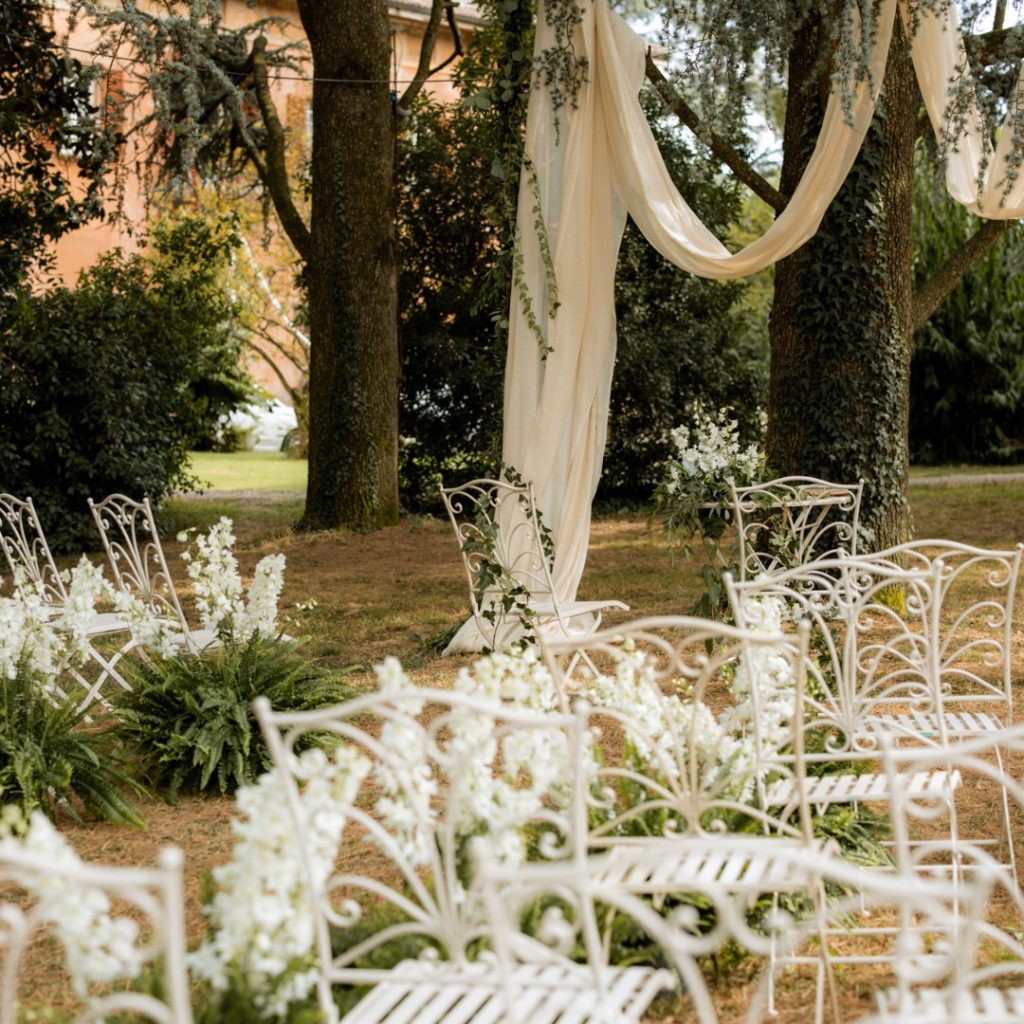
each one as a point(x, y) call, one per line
point(352, 271)
point(840, 326)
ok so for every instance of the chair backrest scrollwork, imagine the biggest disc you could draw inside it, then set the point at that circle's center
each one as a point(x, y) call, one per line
point(792, 520)
point(148, 934)
point(130, 538)
point(416, 775)
point(26, 551)
point(505, 551)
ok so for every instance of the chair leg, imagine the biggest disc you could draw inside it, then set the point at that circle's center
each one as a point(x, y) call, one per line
point(108, 670)
point(1011, 853)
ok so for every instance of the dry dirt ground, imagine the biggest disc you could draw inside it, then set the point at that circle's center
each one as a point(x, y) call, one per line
point(390, 592)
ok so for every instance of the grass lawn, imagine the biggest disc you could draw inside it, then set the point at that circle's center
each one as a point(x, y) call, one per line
point(249, 471)
point(392, 591)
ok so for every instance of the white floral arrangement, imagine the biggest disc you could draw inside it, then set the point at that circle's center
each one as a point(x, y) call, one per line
point(693, 498)
point(99, 948)
point(705, 456)
point(225, 606)
point(261, 916)
point(44, 639)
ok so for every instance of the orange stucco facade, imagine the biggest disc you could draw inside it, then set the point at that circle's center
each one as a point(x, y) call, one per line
point(408, 18)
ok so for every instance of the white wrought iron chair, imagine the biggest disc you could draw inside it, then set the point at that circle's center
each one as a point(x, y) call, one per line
point(974, 624)
point(507, 555)
point(935, 673)
point(674, 815)
point(792, 520)
point(29, 559)
point(132, 543)
point(871, 660)
point(972, 992)
point(154, 895)
point(417, 751)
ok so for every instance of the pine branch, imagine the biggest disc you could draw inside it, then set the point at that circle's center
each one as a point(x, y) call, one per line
point(729, 156)
point(273, 171)
point(934, 292)
point(423, 71)
point(998, 45)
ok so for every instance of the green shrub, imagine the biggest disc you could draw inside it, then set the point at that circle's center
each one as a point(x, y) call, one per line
point(47, 757)
point(189, 720)
point(105, 387)
point(967, 370)
point(681, 339)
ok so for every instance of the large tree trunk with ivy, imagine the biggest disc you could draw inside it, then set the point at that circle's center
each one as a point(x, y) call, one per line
point(841, 319)
point(351, 271)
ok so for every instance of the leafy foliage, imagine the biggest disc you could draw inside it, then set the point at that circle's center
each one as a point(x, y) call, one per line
point(106, 387)
point(190, 721)
point(48, 760)
point(680, 337)
point(967, 369)
point(45, 107)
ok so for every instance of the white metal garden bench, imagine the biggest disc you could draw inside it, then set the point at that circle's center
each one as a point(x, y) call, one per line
point(507, 556)
point(30, 560)
point(153, 899)
point(132, 543)
point(793, 520)
point(422, 883)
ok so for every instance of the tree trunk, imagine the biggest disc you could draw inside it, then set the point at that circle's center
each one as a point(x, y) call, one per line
point(352, 271)
point(838, 403)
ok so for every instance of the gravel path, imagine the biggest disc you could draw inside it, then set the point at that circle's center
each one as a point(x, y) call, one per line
point(966, 479)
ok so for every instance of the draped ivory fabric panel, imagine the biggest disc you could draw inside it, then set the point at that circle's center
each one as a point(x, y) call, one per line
point(590, 163)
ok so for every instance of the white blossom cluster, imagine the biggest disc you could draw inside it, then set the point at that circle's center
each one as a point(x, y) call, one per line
point(44, 638)
point(764, 683)
point(261, 916)
point(160, 634)
point(710, 450)
point(494, 779)
point(734, 750)
point(98, 948)
point(223, 604)
point(661, 727)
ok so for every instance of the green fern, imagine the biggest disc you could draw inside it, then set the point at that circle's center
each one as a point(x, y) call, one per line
point(189, 720)
point(47, 759)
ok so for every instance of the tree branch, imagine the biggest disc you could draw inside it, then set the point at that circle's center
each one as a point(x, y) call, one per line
point(404, 105)
point(934, 292)
point(721, 149)
point(273, 171)
point(290, 388)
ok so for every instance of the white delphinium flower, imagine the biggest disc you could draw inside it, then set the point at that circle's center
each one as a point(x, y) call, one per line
point(405, 774)
point(662, 729)
point(261, 917)
point(261, 601)
point(223, 604)
point(28, 637)
point(760, 724)
point(159, 634)
point(216, 583)
point(85, 587)
point(98, 948)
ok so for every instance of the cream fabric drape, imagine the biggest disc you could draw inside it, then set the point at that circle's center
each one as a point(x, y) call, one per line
point(587, 165)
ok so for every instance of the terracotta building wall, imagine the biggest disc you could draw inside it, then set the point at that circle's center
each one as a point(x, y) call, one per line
point(81, 248)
